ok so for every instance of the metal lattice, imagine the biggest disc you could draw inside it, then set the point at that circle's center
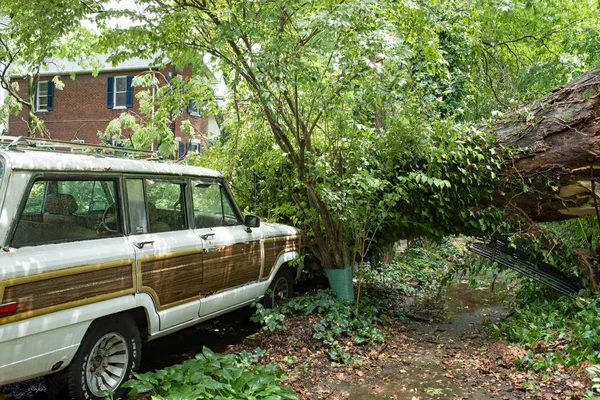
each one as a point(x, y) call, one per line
point(538, 271)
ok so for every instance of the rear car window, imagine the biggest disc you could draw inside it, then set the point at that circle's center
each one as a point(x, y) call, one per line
point(68, 210)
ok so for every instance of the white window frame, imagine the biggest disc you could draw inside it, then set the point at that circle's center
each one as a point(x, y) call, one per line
point(195, 146)
point(115, 105)
point(37, 97)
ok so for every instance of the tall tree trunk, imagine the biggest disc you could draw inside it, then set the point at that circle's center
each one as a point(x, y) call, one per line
point(31, 87)
point(557, 144)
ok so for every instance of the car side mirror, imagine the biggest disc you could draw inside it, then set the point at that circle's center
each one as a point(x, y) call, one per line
point(251, 221)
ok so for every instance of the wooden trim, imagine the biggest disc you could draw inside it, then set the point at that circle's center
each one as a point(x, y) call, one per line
point(154, 257)
point(262, 259)
point(231, 265)
point(159, 306)
point(65, 272)
point(178, 286)
point(32, 292)
point(273, 249)
point(66, 306)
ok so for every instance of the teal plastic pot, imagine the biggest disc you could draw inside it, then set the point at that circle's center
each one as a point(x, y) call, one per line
point(340, 281)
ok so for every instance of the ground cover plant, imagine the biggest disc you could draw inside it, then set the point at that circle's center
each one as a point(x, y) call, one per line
point(317, 346)
point(554, 330)
point(337, 318)
point(313, 337)
point(214, 376)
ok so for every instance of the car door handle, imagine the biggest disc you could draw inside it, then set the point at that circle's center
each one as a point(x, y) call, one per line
point(140, 245)
point(207, 235)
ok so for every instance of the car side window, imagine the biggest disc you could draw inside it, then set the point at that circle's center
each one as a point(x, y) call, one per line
point(212, 206)
point(165, 206)
point(61, 210)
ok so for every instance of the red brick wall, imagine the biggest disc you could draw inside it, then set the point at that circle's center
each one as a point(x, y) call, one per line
point(79, 110)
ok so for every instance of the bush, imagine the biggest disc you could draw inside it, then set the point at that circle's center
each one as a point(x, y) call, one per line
point(555, 330)
point(338, 318)
point(211, 376)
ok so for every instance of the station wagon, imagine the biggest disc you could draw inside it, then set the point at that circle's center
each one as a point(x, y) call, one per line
point(101, 253)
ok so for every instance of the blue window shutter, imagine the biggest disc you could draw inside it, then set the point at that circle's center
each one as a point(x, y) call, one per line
point(129, 94)
point(110, 88)
point(50, 95)
point(181, 151)
point(190, 106)
point(37, 86)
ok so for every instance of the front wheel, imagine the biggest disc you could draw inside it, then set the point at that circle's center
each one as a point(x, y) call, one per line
point(107, 356)
point(281, 288)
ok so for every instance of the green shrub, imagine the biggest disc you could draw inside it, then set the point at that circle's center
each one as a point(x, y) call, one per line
point(214, 376)
point(557, 330)
point(338, 318)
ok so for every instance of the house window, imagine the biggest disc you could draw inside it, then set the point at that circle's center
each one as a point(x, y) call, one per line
point(119, 92)
point(195, 107)
point(44, 96)
point(195, 147)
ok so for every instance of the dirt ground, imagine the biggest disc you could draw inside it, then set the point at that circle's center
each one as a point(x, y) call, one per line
point(456, 359)
point(421, 358)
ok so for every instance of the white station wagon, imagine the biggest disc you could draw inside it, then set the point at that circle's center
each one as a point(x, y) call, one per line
point(99, 253)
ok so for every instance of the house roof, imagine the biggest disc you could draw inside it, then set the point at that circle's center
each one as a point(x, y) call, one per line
point(99, 62)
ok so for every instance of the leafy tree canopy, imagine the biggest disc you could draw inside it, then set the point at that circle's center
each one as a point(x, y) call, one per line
point(353, 119)
point(34, 34)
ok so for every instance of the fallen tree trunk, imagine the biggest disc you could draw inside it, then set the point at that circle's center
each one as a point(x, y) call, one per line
point(556, 141)
point(556, 156)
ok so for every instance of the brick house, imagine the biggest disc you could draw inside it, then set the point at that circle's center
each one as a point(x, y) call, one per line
point(88, 103)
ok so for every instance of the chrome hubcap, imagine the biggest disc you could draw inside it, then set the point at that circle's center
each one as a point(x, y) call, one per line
point(107, 364)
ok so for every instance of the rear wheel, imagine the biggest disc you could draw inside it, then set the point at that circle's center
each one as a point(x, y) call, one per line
point(107, 356)
point(281, 288)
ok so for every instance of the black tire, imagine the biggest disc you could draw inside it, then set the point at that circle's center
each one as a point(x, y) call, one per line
point(107, 356)
point(281, 288)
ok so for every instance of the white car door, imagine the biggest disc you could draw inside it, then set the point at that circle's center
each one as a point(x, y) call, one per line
point(169, 254)
point(232, 252)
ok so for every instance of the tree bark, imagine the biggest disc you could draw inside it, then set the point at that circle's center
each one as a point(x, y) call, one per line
point(556, 144)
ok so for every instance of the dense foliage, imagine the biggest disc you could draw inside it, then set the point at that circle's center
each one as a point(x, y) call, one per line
point(555, 330)
point(352, 119)
point(214, 376)
point(34, 35)
point(345, 118)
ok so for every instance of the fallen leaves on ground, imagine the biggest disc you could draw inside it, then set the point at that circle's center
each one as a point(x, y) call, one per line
point(417, 361)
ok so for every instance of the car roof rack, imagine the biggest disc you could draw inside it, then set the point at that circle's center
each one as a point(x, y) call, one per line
point(23, 142)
